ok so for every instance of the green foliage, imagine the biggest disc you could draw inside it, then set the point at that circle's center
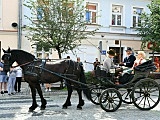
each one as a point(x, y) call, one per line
point(90, 79)
point(58, 24)
point(149, 30)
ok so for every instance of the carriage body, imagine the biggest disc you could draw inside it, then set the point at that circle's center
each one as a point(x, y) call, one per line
point(139, 89)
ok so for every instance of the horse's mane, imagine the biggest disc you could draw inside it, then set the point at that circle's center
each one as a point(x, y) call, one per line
point(22, 53)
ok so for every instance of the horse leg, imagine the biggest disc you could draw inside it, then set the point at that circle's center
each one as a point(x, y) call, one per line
point(81, 101)
point(43, 101)
point(68, 102)
point(34, 103)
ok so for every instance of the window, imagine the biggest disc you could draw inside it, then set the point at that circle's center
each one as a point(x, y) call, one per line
point(91, 13)
point(117, 15)
point(136, 16)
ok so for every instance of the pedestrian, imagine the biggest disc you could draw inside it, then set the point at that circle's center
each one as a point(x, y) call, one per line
point(68, 57)
point(79, 61)
point(11, 81)
point(129, 59)
point(96, 63)
point(3, 79)
point(48, 87)
point(19, 74)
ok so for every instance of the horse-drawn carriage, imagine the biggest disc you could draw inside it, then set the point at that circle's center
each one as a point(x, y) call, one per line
point(140, 90)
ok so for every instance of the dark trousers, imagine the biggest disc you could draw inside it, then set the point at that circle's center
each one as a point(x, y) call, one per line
point(18, 83)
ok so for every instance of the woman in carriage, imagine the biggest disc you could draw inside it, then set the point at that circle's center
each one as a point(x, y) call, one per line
point(126, 76)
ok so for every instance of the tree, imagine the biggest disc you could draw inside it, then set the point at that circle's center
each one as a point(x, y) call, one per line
point(58, 24)
point(149, 30)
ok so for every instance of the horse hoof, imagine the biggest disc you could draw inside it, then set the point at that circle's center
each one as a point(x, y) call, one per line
point(69, 104)
point(79, 108)
point(30, 110)
point(64, 107)
point(42, 108)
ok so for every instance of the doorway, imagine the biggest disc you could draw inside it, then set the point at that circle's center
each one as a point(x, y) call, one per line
point(119, 54)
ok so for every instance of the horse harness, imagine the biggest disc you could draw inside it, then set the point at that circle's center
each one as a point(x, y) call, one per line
point(33, 71)
point(30, 70)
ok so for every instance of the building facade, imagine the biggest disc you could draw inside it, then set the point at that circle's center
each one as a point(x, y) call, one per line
point(116, 19)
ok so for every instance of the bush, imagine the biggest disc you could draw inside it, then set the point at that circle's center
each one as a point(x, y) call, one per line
point(90, 79)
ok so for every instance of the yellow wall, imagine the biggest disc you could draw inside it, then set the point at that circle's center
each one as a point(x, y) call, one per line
point(9, 14)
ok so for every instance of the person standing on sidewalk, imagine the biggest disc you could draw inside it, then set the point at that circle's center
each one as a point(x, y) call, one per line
point(11, 81)
point(3, 79)
point(18, 79)
point(48, 87)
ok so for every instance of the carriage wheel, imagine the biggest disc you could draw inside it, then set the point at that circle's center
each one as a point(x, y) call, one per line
point(126, 95)
point(110, 100)
point(95, 94)
point(146, 94)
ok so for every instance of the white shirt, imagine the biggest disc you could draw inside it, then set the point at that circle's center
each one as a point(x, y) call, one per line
point(107, 64)
point(19, 71)
point(138, 62)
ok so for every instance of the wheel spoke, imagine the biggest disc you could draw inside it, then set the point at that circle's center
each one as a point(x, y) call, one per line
point(152, 100)
point(112, 105)
point(95, 97)
point(148, 102)
point(144, 102)
point(151, 88)
point(140, 100)
point(106, 104)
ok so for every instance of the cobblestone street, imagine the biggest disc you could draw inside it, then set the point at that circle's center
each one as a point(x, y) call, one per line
point(15, 107)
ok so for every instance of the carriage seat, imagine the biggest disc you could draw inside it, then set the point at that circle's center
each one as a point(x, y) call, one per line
point(146, 66)
point(140, 71)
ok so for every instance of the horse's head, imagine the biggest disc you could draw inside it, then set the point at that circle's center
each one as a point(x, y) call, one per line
point(7, 59)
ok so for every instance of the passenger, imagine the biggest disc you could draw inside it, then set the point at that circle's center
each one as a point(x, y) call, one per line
point(129, 60)
point(108, 62)
point(126, 76)
point(140, 59)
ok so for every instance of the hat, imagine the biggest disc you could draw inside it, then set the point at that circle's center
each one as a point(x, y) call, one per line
point(129, 49)
point(111, 52)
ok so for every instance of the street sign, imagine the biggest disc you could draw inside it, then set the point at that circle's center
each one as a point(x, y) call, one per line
point(103, 52)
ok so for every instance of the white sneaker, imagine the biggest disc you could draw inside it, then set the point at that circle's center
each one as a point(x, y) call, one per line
point(46, 90)
point(49, 90)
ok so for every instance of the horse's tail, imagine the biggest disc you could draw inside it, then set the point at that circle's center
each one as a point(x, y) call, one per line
point(85, 88)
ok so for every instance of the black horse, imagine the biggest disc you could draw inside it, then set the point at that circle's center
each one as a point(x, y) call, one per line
point(36, 72)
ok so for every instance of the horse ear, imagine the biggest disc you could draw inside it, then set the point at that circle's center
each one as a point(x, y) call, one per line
point(9, 49)
point(3, 50)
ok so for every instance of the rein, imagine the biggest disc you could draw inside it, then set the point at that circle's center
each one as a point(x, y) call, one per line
point(23, 64)
point(61, 75)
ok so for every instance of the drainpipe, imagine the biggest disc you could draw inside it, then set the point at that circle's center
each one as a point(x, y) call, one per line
point(19, 24)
